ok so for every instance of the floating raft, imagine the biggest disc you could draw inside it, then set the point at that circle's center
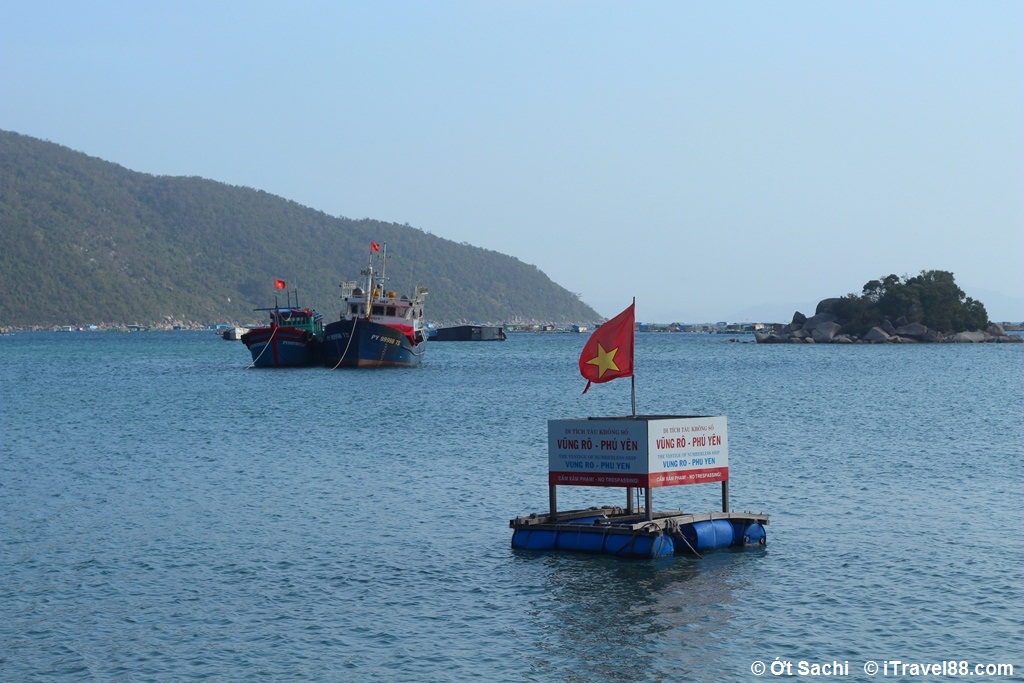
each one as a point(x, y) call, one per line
point(637, 452)
point(614, 531)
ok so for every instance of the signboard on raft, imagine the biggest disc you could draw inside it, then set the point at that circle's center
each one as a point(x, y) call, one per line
point(641, 451)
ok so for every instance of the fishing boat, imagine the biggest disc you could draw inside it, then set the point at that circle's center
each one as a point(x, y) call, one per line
point(294, 338)
point(377, 327)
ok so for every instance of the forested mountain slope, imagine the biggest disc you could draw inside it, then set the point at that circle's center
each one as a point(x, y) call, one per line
point(84, 240)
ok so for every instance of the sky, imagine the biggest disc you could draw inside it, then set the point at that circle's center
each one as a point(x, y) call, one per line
point(717, 161)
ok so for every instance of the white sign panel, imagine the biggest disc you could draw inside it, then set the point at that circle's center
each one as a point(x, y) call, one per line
point(641, 451)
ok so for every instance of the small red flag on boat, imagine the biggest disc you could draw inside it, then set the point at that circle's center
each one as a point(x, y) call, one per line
point(374, 246)
point(280, 284)
point(608, 353)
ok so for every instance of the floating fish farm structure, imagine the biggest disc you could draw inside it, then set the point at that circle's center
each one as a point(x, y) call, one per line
point(638, 453)
point(469, 333)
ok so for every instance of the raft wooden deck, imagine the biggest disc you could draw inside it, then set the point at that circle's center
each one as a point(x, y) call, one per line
point(666, 520)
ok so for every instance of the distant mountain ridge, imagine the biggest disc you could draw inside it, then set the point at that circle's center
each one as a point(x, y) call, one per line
point(84, 240)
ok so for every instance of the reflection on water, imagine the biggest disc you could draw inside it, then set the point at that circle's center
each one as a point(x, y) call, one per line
point(647, 619)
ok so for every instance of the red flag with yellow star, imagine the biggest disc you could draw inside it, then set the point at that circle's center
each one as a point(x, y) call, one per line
point(608, 354)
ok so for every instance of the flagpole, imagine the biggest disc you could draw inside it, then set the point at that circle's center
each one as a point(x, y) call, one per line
point(632, 377)
point(632, 398)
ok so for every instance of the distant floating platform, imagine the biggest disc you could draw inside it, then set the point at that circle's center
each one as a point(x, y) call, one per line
point(469, 333)
point(614, 531)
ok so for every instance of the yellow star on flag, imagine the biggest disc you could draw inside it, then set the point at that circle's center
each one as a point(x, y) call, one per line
point(604, 360)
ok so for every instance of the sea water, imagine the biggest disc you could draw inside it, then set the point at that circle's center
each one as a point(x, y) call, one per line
point(167, 513)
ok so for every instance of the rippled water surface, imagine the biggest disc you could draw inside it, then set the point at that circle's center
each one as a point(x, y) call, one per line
point(168, 514)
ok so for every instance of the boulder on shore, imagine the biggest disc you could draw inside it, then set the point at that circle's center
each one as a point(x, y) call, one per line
point(912, 330)
point(818, 319)
point(877, 334)
point(973, 337)
point(825, 332)
point(825, 305)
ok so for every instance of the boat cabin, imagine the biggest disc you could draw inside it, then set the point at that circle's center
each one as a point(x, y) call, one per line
point(386, 308)
point(299, 318)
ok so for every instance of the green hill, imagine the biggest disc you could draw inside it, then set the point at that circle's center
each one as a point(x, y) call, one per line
point(84, 240)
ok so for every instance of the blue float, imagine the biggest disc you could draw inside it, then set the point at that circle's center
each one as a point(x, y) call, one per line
point(606, 538)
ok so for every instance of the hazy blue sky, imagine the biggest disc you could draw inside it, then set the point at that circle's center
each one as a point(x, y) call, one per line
point(714, 160)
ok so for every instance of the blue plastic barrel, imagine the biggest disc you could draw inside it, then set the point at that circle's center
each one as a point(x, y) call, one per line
point(707, 535)
point(662, 546)
point(594, 540)
point(584, 540)
point(650, 547)
point(753, 534)
point(530, 539)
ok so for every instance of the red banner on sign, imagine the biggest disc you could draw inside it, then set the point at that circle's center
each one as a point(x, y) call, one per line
point(677, 478)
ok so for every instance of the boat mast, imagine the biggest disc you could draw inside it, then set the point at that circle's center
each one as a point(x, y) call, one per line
point(368, 294)
point(372, 280)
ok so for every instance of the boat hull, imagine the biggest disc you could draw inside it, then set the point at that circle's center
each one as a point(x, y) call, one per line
point(283, 347)
point(364, 344)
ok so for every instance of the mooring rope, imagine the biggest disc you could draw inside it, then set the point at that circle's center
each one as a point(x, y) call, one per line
point(351, 334)
point(687, 542)
point(267, 346)
point(644, 527)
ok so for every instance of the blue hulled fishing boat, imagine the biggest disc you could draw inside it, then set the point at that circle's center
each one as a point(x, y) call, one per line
point(293, 339)
point(377, 327)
